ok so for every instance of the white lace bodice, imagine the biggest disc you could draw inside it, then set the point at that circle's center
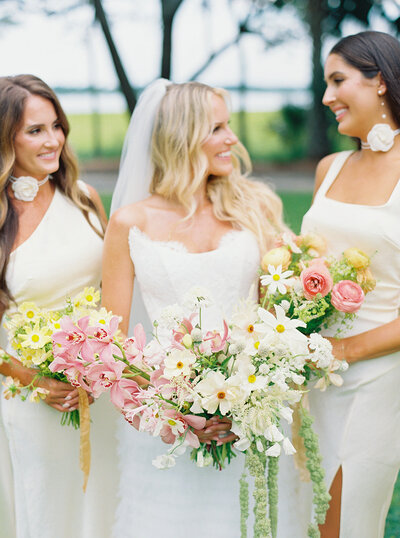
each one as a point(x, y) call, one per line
point(165, 271)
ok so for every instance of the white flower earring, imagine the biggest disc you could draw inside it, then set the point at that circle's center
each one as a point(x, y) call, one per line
point(381, 136)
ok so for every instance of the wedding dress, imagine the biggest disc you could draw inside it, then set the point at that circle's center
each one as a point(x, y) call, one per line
point(185, 500)
point(60, 258)
point(359, 423)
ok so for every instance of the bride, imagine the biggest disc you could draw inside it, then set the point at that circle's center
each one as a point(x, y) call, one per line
point(193, 219)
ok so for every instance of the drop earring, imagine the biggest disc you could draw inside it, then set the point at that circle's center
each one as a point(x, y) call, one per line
point(384, 116)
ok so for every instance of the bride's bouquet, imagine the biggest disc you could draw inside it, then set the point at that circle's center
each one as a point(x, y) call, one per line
point(30, 331)
point(320, 291)
point(250, 370)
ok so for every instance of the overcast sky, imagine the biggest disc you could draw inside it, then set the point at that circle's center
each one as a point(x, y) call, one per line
point(70, 51)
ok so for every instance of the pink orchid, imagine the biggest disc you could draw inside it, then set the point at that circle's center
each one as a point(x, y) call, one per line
point(73, 369)
point(124, 393)
point(73, 338)
point(185, 327)
point(178, 425)
point(134, 346)
point(104, 376)
point(102, 338)
point(153, 354)
point(161, 384)
point(215, 339)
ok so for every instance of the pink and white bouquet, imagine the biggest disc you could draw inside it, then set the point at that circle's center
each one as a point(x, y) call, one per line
point(251, 370)
point(320, 291)
point(30, 331)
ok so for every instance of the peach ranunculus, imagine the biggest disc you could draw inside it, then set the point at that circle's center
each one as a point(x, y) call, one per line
point(276, 256)
point(347, 296)
point(316, 279)
point(357, 258)
point(366, 280)
point(314, 243)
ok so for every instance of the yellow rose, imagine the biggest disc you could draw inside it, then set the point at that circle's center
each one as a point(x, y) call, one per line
point(357, 258)
point(276, 256)
point(314, 243)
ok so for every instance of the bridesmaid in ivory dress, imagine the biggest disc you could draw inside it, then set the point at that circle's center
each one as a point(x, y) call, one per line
point(51, 231)
point(357, 203)
point(196, 220)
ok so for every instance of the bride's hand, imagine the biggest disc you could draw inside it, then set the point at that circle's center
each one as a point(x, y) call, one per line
point(62, 396)
point(216, 429)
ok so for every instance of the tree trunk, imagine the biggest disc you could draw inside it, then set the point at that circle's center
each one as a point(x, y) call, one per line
point(124, 83)
point(318, 142)
point(169, 9)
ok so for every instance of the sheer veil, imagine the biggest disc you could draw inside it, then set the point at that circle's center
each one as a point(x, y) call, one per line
point(135, 171)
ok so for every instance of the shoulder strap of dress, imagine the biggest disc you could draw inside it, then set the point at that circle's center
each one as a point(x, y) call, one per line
point(333, 171)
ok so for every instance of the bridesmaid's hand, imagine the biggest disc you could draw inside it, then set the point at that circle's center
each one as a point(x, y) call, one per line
point(338, 347)
point(62, 396)
point(216, 429)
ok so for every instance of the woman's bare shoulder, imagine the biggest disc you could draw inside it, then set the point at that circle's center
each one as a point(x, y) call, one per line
point(136, 214)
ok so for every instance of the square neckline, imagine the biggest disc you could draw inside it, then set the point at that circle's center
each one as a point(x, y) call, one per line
point(388, 201)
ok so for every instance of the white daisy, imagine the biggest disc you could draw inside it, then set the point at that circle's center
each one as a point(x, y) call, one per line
point(275, 281)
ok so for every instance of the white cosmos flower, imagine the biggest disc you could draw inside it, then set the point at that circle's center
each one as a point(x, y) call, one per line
point(243, 319)
point(275, 281)
point(249, 380)
point(178, 362)
point(217, 391)
point(281, 325)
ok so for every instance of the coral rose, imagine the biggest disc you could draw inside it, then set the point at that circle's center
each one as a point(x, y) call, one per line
point(276, 256)
point(316, 279)
point(347, 296)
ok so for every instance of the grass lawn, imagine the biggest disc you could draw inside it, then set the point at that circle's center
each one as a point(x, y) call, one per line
point(295, 205)
point(266, 135)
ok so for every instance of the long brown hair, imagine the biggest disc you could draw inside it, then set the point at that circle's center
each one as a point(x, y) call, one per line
point(14, 91)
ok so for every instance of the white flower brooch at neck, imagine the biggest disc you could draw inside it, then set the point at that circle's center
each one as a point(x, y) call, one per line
point(26, 187)
point(380, 138)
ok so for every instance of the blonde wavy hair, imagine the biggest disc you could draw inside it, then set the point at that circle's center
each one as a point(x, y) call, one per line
point(14, 92)
point(183, 122)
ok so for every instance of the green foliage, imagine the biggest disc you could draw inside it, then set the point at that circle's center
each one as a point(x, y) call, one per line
point(278, 136)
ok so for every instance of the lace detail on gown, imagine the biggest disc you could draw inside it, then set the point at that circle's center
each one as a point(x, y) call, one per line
point(183, 500)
